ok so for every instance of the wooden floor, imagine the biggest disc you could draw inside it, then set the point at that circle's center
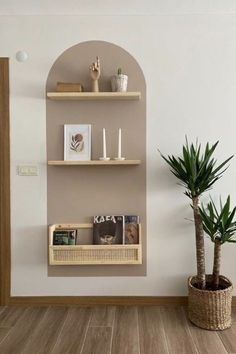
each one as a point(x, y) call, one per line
point(103, 330)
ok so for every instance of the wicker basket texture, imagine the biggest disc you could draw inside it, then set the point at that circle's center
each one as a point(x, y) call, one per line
point(210, 309)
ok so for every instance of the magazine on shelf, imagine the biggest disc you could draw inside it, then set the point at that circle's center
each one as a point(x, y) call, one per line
point(108, 229)
point(64, 237)
point(131, 229)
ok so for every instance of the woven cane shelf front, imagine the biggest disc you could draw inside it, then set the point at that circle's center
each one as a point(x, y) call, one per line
point(92, 254)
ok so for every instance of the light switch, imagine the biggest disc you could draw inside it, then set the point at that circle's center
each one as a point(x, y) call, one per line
point(27, 170)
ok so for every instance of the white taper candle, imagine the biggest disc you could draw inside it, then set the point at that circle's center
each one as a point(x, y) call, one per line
point(119, 144)
point(104, 143)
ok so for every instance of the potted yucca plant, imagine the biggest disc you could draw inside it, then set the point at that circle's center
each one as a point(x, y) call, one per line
point(197, 171)
point(221, 227)
point(215, 302)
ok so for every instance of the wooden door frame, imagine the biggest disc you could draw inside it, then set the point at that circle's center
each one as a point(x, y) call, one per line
point(5, 230)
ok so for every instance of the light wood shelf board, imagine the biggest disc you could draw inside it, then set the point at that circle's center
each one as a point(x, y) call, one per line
point(90, 96)
point(93, 163)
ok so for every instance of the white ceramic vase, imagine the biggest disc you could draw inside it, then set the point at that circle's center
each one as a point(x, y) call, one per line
point(119, 83)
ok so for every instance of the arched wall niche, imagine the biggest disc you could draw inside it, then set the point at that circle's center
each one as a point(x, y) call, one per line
point(76, 193)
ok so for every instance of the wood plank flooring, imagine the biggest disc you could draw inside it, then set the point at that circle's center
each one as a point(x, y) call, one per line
point(108, 330)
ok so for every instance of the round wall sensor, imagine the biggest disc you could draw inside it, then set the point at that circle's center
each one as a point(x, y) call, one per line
point(21, 56)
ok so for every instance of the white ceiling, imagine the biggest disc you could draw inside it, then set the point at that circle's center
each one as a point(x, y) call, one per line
point(114, 7)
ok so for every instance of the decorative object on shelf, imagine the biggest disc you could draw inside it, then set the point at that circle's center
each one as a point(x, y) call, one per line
point(77, 142)
point(119, 82)
point(198, 171)
point(108, 230)
point(104, 146)
point(69, 87)
point(119, 158)
point(95, 72)
point(131, 229)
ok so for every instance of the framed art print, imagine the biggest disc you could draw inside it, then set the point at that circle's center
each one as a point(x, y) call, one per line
point(77, 142)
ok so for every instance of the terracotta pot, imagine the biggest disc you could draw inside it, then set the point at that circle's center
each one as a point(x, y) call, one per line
point(210, 309)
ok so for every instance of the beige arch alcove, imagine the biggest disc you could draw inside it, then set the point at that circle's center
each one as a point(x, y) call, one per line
point(76, 193)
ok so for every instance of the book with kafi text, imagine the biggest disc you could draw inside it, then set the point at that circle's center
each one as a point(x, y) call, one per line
point(108, 229)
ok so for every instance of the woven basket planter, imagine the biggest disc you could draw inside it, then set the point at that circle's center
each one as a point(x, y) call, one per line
point(210, 309)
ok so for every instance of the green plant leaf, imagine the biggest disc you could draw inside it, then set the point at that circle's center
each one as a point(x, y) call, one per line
point(219, 224)
point(196, 168)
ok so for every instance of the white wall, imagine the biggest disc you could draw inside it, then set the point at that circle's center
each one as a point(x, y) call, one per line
point(109, 7)
point(189, 64)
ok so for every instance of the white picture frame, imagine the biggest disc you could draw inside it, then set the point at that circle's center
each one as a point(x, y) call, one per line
point(77, 142)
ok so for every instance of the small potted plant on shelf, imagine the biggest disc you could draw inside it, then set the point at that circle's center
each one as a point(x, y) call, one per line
point(119, 82)
point(197, 171)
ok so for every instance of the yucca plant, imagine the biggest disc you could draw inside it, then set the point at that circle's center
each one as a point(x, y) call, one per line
point(221, 227)
point(197, 172)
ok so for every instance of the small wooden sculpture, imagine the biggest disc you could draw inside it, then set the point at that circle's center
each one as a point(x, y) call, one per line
point(95, 72)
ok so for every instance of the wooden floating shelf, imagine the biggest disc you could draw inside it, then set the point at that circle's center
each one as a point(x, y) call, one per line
point(91, 96)
point(95, 163)
point(92, 254)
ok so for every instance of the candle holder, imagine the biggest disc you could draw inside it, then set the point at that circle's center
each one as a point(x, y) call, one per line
point(104, 158)
point(104, 145)
point(119, 158)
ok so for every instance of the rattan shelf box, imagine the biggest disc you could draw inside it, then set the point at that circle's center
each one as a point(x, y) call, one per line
point(92, 254)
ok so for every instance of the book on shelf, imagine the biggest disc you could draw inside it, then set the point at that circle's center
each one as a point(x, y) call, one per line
point(64, 237)
point(108, 229)
point(69, 87)
point(131, 235)
point(118, 229)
